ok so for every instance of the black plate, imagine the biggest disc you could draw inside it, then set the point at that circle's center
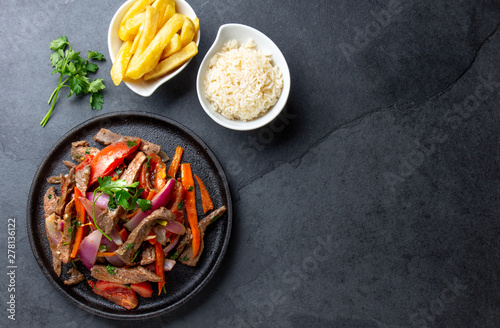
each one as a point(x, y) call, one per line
point(182, 282)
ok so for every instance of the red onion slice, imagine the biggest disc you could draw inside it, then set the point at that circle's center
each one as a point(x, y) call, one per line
point(60, 225)
point(161, 199)
point(87, 204)
point(171, 245)
point(176, 227)
point(102, 201)
point(89, 248)
point(52, 230)
point(167, 265)
point(114, 260)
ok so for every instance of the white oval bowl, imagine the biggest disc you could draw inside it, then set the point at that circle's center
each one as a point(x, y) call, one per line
point(141, 87)
point(242, 33)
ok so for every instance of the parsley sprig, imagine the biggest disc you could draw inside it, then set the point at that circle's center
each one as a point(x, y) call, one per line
point(68, 63)
point(120, 194)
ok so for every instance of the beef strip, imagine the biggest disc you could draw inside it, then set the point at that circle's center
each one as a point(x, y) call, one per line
point(119, 275)
point(54, 179)
point(132, 171)
point(50, 201)
point(148, 254)
point(139, 234)
point(107, 220)
point(186, 257)
point(66, 189)
point(81, 148)
point(75, 277)
point(69, 164)
point(186, 239)
point(66, 244)
point(56, 261)
point(106, 137)
point(82, 178)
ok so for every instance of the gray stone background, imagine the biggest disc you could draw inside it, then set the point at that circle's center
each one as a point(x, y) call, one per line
point(371, 202)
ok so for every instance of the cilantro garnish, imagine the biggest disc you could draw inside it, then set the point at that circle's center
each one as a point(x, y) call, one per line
point(111, 269)
point(131, 143)
point(120, 194)
point(129, 246)
point(68, 63)
point(184, 258)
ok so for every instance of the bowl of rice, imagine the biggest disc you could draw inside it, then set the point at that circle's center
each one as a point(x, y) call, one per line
point(243, 82)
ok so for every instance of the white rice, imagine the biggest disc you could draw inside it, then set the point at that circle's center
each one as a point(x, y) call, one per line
point(241, 83)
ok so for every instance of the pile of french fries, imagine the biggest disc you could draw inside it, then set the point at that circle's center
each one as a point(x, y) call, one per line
point(156, 40)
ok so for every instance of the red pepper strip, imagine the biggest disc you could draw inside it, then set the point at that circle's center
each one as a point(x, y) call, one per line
point(87, 160)
point(174, 166)
point(80, 217)
point(158, 170)
point(105, 161)
point(144, 180)
point(205, 197)
point(123, 234)
point(190, 203)
point(159, 266)
point(102, 254)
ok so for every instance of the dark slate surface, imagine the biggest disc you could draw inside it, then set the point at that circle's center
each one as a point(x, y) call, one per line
point(373, 201)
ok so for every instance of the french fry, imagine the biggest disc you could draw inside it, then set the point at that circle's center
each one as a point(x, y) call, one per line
point(136, 40)
point(122, 60)
point(169, 12)
point(187, 31)
point(174, 61)
point(196, 23)
point(150, 57)
point(161, 5)
point(131, 27)
point(148, 30)
point(171, 48)
point(137, 7)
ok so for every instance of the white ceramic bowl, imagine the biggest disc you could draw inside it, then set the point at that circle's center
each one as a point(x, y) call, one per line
point(243, 33)
point(145, 88)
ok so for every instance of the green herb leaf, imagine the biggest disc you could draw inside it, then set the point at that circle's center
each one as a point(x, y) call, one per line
point(131, 143)
point(144, 204)
point(96, 85)
point(148, 161)
point(184, 258)
point(111, 269)
point(96, 55)
point(173, 257)
point(103, 248)
point(73, 71)
point(129, 246)
point(96, 100)
point(137, 253)
point(214, 219)
point(180, 205)
point(190, 188)
point(91, 67)
point(59, 43)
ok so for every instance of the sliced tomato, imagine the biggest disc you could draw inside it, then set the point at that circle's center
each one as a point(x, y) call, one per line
point(143, 288)
point(116, 293)
point(110, 157)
